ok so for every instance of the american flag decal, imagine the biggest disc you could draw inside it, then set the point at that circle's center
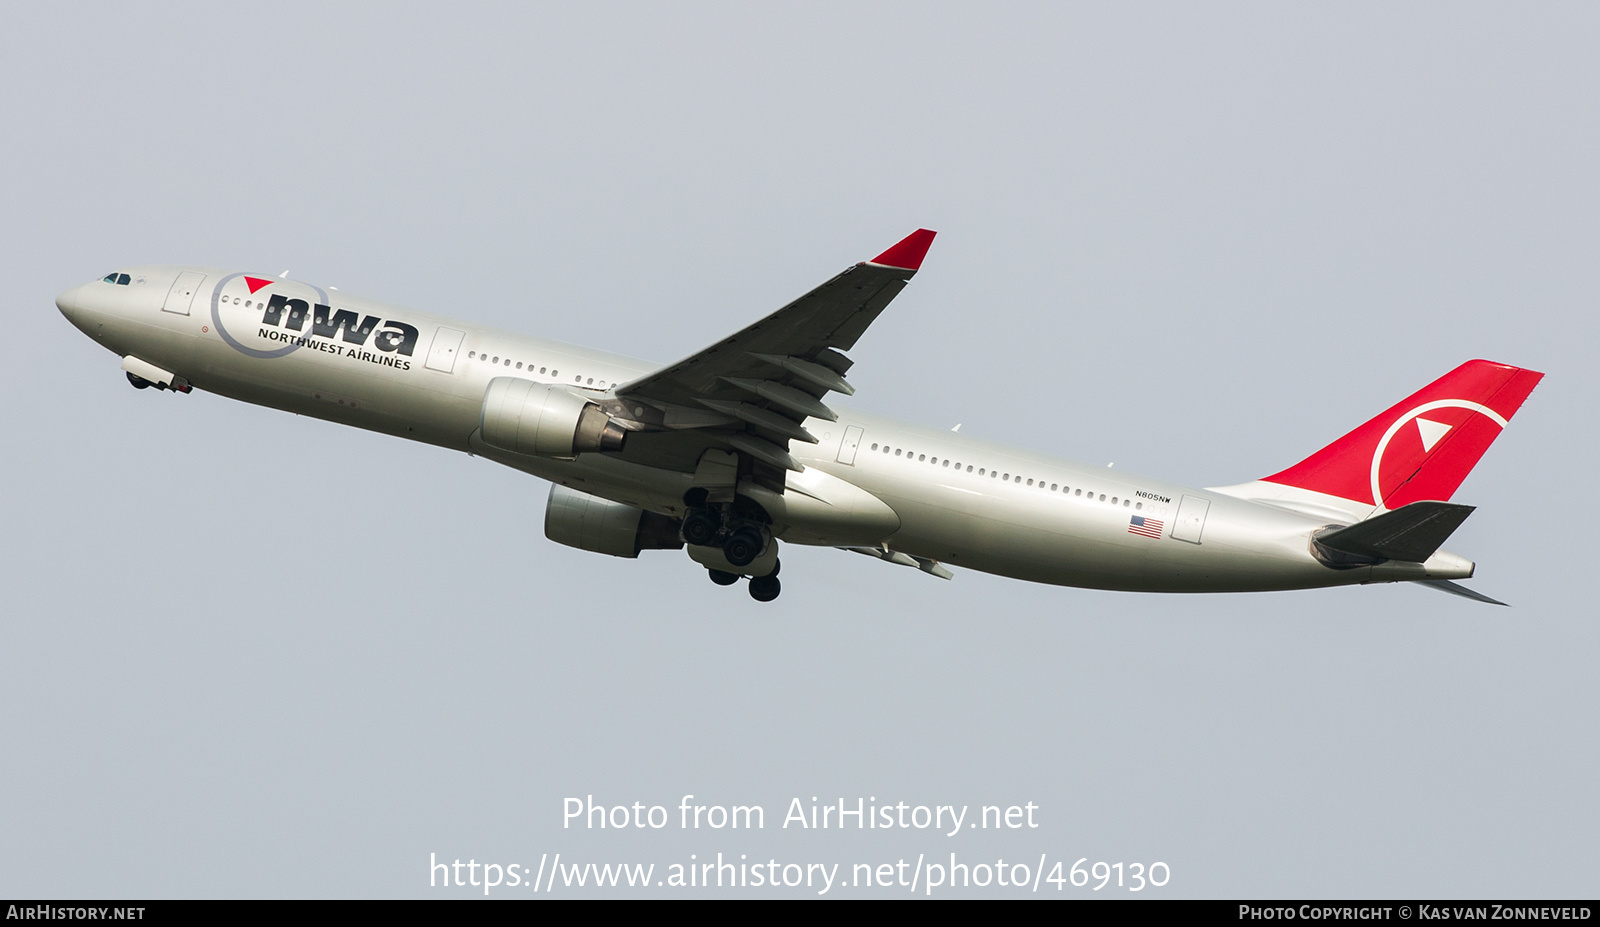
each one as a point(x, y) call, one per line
point(1148, 527)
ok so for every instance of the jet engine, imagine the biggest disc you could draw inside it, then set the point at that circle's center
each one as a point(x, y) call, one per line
point(545, 420)
point(587, 522)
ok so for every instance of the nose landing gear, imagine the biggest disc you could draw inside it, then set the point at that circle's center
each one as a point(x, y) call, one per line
point(175, 383)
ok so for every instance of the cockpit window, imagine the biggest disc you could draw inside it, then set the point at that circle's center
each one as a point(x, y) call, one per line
point(121, 279)
point(110, 278)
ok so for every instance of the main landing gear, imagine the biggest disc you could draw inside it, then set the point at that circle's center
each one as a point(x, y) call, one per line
point(701, 525)
point(762, 588)
point(704, 527)
point(743, 546)
point(765, 588)
point(732, 543)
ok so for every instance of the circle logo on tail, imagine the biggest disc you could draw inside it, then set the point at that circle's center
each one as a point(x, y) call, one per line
point(1448, 415)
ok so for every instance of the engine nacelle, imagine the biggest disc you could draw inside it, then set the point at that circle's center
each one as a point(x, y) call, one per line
point(587, 522)
point(544, 420)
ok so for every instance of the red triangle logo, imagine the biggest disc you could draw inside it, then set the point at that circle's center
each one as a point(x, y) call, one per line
point(256, 283)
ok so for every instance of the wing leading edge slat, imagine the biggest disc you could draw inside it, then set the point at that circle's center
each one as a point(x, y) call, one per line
point(773, 375)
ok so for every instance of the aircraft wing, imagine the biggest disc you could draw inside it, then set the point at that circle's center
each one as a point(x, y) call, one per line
point(751, 392)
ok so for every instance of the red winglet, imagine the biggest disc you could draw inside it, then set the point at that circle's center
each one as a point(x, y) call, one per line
point(910, 251)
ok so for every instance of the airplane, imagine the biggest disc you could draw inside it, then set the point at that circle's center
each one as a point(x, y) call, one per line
point(732, 450)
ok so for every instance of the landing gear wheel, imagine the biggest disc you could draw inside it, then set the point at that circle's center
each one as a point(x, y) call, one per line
point(138, 382)
point(744, 546)
point(765, 588)
point(723, 579)
point(700, 526)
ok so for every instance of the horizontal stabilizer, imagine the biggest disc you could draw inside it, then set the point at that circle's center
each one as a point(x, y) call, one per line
point(1412, 532)
point(1445, 585)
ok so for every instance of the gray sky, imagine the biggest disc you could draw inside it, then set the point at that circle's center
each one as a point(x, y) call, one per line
point(1200, 241)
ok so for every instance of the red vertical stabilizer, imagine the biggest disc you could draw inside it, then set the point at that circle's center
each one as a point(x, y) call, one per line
point(1424, 445)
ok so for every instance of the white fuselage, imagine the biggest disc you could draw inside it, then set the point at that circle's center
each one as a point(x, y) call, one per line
point(924, 492)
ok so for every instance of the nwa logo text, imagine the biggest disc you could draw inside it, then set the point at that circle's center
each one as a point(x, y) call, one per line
point(395, 340)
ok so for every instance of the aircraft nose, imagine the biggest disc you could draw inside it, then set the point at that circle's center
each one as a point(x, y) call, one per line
point(71, 305)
